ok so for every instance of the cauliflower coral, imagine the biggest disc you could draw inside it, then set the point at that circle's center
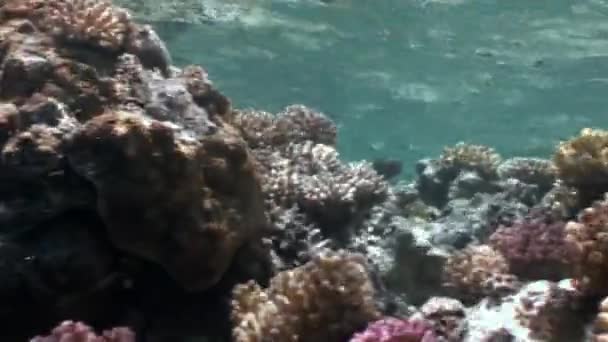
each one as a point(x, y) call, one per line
point(326, 299)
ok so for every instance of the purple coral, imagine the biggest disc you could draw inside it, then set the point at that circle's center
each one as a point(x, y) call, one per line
point(533, 247)
point(390, 329)
point(69, 331)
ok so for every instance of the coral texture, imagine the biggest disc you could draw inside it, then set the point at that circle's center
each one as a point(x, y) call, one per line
point(587, 247)
point(82, 21)
point(391, 329)
point(327, 299)
point(447, 317)
point(153, 156)
point(534, 247)
point(143, 173)
point(546, 308)
point(582, 162)
point(469, 273)
point(479, 158)
point(69, 331)
point(537, 171)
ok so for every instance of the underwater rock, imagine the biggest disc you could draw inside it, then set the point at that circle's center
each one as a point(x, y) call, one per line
point(388, 168)
point(143, 171)
point(119, 176)
point(467, 220)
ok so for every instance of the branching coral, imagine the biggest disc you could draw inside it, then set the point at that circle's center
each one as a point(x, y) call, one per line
point(471, 273)
point(481, 159)
point(83, 21)
point(529, 170)
point(335, 197)
point(327, 299)
point(534, 247)
point(69, 331)
point(295, 124)
point(587, 248)
point(391, 329)
point(582, 162)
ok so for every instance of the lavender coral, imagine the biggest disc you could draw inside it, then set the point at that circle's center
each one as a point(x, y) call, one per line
point(534, 247)
point(70, 331)
point(391, 329)
point(327, 299)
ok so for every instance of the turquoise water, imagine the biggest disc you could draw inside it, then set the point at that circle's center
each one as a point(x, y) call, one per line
point(404, 78)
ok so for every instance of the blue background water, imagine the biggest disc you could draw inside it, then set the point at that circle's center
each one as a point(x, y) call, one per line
point(404, 78)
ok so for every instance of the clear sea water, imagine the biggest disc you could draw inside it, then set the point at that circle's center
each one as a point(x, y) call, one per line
point(403, 78)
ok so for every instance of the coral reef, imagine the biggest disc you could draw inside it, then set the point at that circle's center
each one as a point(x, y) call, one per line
point(327, 299)
point(133, 194)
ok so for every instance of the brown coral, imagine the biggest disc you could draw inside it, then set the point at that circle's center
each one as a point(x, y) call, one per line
point(469, 273)
point(600, 324)
point(582, 162)
point(587, 248)
point(144, 174)
point(482, 159)
point(327, 299)
point(295, 124)
point(80, 21)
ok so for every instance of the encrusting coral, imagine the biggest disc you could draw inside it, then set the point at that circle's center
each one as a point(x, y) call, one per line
point(327, 299)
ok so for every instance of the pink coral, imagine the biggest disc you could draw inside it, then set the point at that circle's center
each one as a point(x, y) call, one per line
point(534, 247)
point(69, 331)
point(390, 329)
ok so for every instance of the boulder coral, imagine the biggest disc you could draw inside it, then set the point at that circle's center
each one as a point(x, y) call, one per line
point(86, 124)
